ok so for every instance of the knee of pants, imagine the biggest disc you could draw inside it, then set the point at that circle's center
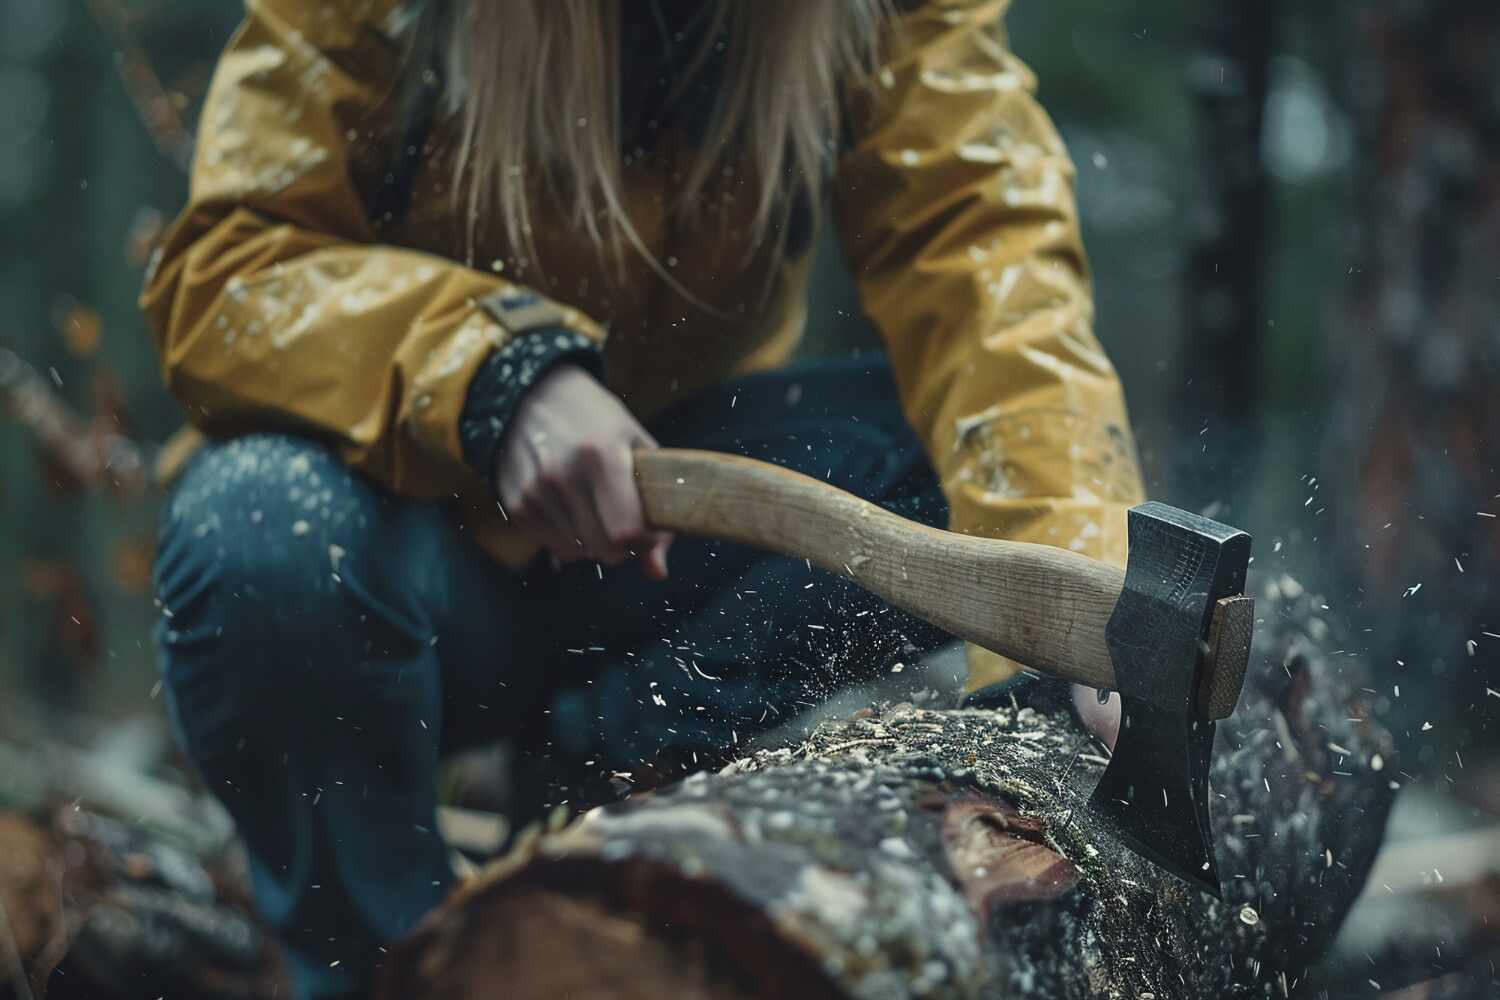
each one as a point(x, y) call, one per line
point(271, 543)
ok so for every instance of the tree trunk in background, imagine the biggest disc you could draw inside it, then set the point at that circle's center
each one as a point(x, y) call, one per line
point(50, 625)
point(1228, 229)
point(916, 853)
point(82, 191)
point(1413, 454)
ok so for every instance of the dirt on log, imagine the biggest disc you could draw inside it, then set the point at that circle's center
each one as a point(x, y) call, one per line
point(910, 852)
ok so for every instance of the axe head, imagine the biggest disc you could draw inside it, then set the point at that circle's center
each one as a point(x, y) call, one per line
point(1177, 668)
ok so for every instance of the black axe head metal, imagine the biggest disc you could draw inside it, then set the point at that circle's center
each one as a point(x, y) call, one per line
point(1179, 640)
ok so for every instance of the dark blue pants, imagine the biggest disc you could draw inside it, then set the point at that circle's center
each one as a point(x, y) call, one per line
point(326, 642)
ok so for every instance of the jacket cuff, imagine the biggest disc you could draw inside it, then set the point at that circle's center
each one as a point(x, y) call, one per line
point(498, 386)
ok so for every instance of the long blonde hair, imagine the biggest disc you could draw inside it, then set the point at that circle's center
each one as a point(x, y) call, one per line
point(534, 83)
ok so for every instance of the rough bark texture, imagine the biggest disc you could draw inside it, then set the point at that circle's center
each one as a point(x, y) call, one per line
point(909, 852)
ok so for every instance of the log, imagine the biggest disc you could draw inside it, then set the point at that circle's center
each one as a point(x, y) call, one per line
point(913, 852)
point(95, 909)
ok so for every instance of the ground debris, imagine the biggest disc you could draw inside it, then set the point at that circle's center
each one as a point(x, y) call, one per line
point(95, 908)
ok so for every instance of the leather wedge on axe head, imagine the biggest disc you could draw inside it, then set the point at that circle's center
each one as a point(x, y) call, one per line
point(1170, 633)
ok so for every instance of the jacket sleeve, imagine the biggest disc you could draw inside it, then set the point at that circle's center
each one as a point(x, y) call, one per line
point(955, 204)
point(272, 304)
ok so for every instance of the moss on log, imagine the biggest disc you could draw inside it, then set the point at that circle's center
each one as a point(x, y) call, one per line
point(909, 852)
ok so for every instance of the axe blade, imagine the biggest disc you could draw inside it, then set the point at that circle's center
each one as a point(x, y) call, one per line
point(1154, 792)
point(1155, 789)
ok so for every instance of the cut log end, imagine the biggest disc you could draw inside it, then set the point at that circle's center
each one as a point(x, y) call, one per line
point(567, 948)
point(584, 927)
point(681, 900)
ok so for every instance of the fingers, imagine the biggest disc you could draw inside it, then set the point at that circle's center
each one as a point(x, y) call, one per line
point(531, 504)
point(617, 505)
point(1103, 720)
point(582, 508)
point(564, 537)
point(536, 517)
point(576, 481)
point(566, 477)
point(654, 559)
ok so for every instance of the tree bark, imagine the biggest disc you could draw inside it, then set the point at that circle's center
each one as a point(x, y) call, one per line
point(910, 852)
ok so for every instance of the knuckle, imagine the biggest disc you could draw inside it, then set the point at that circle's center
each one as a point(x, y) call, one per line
point(516, 502)
point(534, 501)
point(552, 477)
point(622, 536)
point(588, 457)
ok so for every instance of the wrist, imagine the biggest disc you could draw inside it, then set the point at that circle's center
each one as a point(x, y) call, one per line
point(508, 376)
point(567, 370)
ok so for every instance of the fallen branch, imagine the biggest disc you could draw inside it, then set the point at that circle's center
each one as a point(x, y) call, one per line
point(90, 455)
point(154, 104)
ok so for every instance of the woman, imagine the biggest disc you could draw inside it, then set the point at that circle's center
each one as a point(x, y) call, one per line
point(444, 268)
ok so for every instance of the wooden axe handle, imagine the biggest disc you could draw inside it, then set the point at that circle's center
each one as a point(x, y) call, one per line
point(1037, 604)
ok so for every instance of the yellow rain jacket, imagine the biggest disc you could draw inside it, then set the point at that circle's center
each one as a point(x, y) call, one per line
point(278, 303)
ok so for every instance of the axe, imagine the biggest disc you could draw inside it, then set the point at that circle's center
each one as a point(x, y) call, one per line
point(1170, 633)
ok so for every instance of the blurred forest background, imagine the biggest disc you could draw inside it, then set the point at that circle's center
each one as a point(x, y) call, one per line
point(1293, 211)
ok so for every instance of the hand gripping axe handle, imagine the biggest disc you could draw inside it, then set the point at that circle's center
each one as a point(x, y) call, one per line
point(1170, 633)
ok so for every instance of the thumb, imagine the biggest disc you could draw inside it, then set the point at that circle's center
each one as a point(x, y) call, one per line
point(654, 559)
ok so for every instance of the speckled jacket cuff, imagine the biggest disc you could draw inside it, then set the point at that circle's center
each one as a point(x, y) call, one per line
point(498, 387)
